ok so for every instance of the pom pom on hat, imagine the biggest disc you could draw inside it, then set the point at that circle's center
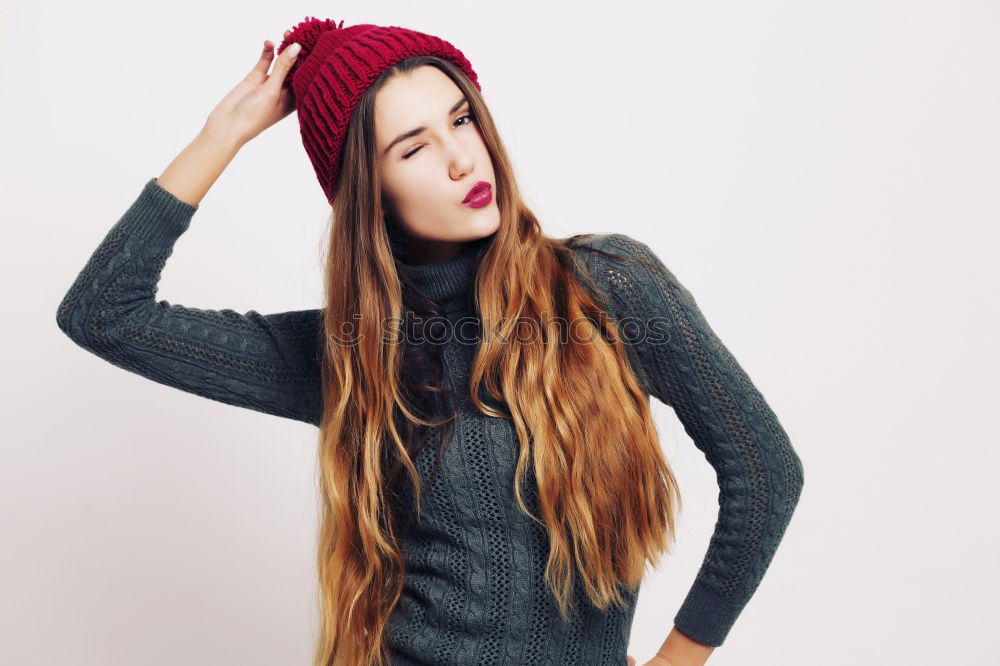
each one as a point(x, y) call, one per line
point(306, 34)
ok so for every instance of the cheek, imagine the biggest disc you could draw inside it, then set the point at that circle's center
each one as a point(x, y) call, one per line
point(482, 155)
point(419, 187)
point(400, 189)
point(417, 200)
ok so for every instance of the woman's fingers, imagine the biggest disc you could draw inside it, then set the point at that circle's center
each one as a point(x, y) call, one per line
point(267, 56)
point(264, 62)
point(281, 67)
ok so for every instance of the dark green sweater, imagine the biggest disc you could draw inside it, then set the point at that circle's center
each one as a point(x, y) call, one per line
point(474, 591)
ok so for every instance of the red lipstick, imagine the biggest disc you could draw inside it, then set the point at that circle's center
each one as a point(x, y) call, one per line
point(480, 195)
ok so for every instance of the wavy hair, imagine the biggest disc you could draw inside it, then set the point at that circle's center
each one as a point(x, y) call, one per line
point(549, 355)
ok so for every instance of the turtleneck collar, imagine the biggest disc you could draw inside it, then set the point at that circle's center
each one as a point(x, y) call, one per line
point(448, 283)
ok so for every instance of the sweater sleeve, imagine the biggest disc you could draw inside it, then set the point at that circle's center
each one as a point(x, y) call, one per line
point(268, 363)
point(684, 365)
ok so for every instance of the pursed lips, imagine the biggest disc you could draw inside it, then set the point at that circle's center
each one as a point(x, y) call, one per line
point(475, 190)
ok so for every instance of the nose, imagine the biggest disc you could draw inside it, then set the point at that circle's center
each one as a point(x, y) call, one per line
point(460, 160)
point(460, 172)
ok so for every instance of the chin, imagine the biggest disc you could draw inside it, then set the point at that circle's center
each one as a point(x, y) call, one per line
point(490, 228)
point(483, 234)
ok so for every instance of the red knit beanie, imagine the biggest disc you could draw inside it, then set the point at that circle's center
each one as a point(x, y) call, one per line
point(335, 67)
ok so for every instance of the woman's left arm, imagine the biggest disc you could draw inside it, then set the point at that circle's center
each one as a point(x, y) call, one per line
point(683, 363)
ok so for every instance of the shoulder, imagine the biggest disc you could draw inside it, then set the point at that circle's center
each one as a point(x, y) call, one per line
point(616, 260)
point(627, 278)
point(609, 246)
point(632, 282)
point(595, 241)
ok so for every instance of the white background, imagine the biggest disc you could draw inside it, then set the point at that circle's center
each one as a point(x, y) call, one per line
point(823, 176)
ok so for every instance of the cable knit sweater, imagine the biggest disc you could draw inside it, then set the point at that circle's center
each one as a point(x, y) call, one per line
point(474, 589)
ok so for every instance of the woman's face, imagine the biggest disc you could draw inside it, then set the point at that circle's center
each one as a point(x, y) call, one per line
point(427, 175)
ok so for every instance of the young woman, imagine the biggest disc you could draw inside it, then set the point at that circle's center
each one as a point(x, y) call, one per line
point(492, 482)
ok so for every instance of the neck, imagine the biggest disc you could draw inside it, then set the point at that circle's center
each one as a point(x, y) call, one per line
point(423, 252)
point(448, 282)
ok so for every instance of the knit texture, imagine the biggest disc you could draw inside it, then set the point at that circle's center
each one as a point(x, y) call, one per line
point(474, 590)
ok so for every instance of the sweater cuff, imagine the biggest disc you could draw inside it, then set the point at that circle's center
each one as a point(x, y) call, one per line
point(705, 616)
point(160, 216)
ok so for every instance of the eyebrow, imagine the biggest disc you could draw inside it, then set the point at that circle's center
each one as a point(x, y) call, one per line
point(419, 130)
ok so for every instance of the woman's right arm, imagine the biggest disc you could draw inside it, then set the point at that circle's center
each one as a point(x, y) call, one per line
point(268, 363)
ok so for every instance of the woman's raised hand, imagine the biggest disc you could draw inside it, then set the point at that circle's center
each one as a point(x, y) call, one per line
point(259, 100)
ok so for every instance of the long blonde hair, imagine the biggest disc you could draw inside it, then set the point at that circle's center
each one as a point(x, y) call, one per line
point(607, 497)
